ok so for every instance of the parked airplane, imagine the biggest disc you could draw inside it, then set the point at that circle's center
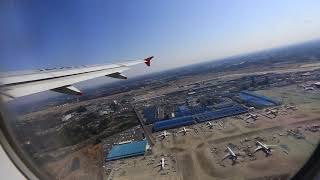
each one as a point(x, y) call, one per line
point(309, 88)
point(125, 142)
point(164, 134)
point(263, 147)
point(17, 84)
point(272, 111)
point(161, 164)
point(184, 131)
point(251, 109)
point(231, 155)
point(252, 116)
point(210, 125)
point(291, 107)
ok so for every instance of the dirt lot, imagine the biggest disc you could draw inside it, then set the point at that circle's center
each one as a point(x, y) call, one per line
point(83, 164)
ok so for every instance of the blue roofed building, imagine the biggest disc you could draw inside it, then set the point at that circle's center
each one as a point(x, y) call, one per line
point(223, 105)
point(202, 116)
point(256, 100)
point(221, 113)
point(173, 123)
point(183, 111)
point(199, 109)
point(131, 149)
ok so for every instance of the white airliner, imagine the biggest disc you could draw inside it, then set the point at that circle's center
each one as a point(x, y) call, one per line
point(231, 155)
point(272, 111)
point(252, 116)
point(183, 131)
point(164, 134)
point(263, 147)
point(210, 125)
point(291, 107)
point(17, 84)
point(161, 164)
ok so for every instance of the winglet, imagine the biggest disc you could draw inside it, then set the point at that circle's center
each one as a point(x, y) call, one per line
point(147, 61)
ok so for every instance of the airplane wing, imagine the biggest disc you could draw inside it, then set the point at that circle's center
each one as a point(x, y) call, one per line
point(257, 149)
point(161, 135)
point(17, 84)
point(226, 156)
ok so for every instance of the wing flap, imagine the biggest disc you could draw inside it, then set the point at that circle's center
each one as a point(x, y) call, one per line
point(68, 90)
point(117, 75)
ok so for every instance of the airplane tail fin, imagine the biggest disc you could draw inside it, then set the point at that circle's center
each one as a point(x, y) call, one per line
point(147, 61)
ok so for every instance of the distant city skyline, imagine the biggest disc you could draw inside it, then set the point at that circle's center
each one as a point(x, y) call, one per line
point(59, 33)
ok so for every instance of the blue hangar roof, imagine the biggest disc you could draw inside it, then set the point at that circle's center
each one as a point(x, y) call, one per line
point(257, 100)
point(173, 123)
point(136, 148)
point(201, 117)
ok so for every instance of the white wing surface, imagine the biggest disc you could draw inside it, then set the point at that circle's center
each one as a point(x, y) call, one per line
point(17, 84)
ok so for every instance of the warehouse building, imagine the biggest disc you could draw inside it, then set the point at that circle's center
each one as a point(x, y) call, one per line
point(173, 123)
point(183, 111)
point(256, 100)
point(223, 105)
point(220, 113)
point(201, 117)
point(130, 149)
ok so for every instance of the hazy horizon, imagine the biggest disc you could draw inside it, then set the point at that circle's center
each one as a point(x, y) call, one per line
point(101, 81)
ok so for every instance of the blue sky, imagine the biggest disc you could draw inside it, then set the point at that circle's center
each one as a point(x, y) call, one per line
point(40, 33)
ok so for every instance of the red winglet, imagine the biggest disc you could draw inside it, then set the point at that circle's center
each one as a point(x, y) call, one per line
point(147, 61)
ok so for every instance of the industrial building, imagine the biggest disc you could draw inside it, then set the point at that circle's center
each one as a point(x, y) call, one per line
point(183, 111)
point(220, 113)
point(151, 116)
point(223, 105)
point(199, 109)
point(206, 115)
point(173, 123)
point(212, 109)
point(130, 149)
point(256, 100)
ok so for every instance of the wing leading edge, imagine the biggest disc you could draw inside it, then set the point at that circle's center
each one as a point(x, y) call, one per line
point(14, 85)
